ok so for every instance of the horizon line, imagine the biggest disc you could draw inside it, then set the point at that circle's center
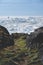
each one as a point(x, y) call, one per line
point(19, 16)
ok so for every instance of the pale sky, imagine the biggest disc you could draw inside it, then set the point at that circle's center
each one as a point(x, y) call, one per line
point(21, 7)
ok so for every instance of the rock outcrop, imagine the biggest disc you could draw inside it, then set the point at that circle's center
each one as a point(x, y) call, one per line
point(5, 38)
point(35, 37)
point(35, 41)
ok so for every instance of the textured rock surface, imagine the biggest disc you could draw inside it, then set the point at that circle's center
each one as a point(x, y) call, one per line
point(35, 37)
point(5, 38)
point(35, 40)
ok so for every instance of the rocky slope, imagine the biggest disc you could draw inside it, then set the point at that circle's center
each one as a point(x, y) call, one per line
point(35, 41)
point(27, 49)
point(5, 38)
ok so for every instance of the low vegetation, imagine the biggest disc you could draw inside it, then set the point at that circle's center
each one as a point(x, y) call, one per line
point(19, 54)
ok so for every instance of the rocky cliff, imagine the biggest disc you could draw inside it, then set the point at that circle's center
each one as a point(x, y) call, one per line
point(35, 41)
point(5, 38)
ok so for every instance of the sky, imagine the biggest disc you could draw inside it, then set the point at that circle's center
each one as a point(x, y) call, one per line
point(21, 7)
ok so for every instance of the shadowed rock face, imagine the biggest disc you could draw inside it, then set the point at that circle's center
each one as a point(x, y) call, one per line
point(35, 40)
point(5, 38)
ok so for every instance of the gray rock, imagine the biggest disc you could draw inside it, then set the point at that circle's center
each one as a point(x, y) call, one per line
point(5, 38)
point(35, 40)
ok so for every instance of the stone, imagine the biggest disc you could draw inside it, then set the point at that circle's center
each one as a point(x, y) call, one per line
point(5, 38)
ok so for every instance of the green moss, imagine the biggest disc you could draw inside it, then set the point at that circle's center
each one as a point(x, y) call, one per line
point(19, 48)
point(21, 42)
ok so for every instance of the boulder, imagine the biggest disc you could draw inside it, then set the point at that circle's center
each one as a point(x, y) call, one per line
point(35, 38)
point(5, 38)
point(35, 41)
